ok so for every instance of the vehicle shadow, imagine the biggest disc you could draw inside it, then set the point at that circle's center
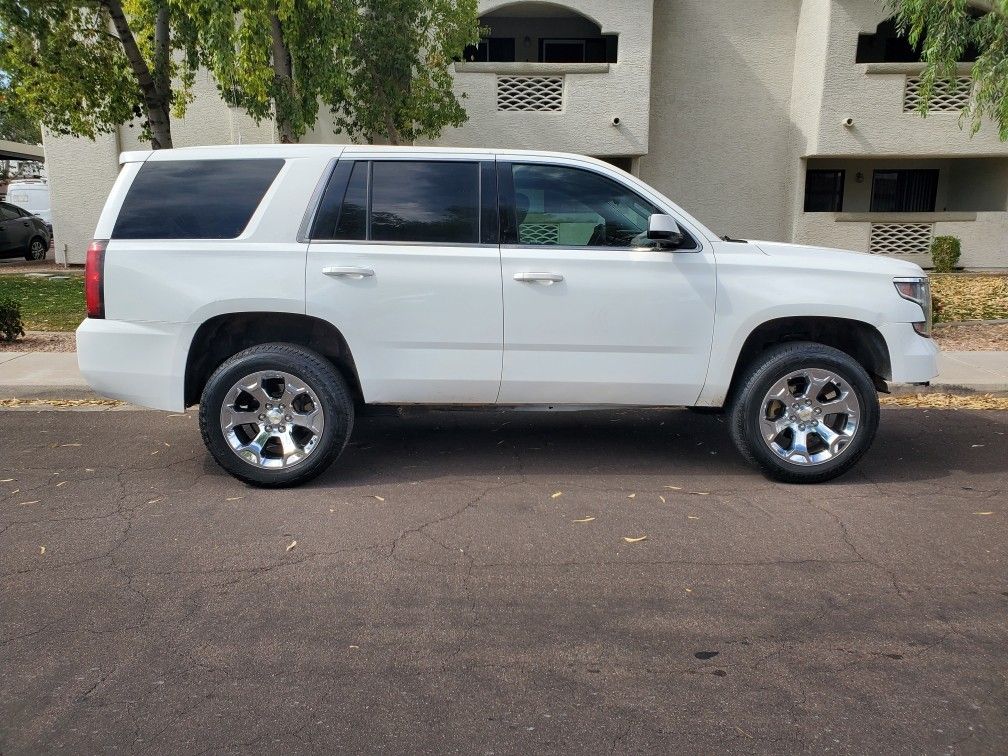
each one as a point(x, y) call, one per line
point(912, 445)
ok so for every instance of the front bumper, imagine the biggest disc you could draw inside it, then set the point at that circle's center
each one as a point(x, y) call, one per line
point(141, 363)
point(913, 358)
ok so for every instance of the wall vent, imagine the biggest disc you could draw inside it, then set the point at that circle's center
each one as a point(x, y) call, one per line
point(948, 97)
point(901, 238)
point(530, 93)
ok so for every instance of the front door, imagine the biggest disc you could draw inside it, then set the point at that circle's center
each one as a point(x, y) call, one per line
point(404, 260)
point(593, 314)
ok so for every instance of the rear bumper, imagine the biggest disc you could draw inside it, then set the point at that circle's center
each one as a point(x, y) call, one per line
point(141, 363)
point(914, 359)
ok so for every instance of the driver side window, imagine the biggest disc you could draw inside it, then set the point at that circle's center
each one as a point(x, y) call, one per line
point(556, 205)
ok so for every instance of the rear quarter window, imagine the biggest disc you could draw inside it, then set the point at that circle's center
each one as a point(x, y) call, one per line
point(194, 199)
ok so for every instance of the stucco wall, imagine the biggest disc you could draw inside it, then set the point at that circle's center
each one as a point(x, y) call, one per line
point(721, 136)
point(984, 240)
point(875, 101)
point(591, 100)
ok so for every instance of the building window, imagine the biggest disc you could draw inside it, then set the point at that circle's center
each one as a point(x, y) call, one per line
point(824, 190)
point(534, 32)
point(890, 45)
point(492, 50)
point(904, 191)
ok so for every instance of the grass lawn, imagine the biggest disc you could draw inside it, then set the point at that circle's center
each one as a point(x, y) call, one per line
point(46, 305)
point(967, 296)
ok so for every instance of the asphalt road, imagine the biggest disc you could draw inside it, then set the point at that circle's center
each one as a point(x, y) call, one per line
point(443, 595)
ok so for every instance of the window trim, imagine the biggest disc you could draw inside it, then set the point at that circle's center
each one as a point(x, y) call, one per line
point(509, 225)
point(350, 160)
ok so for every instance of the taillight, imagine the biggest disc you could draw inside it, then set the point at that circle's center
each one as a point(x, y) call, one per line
point(94, 278)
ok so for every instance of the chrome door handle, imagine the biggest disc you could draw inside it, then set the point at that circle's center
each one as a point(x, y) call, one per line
point(531, 277)
point(348, 271)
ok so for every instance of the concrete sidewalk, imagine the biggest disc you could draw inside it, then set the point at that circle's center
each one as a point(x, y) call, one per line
point(54, 374)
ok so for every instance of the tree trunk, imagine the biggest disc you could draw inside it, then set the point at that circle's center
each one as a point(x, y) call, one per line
point(283, 70)
point(156, 94)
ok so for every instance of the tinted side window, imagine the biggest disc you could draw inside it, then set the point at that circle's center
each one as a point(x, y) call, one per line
point(194, 199)
point(8, 212)
point(571, 207)
point(342, 212)
point(436, 202)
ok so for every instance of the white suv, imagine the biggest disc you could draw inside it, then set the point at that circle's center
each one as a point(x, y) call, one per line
point(281, 287)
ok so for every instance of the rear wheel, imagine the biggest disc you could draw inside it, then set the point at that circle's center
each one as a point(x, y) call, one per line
point(805, 413)
point(276, 415)
point(37, 249)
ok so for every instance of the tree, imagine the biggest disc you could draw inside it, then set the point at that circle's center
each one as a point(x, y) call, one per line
point(84, 68)
point(399, 86)
point(944, 30)
point(16, 125)
point(381, 66)
point(273, 59)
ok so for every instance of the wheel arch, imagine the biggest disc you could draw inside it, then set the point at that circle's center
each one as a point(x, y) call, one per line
point(862, 341)
point(222, 336)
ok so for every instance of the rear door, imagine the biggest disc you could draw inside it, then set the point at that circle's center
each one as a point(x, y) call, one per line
point(404, 260)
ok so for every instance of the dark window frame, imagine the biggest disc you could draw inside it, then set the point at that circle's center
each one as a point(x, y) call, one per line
point(839, 190)
point(339, 179)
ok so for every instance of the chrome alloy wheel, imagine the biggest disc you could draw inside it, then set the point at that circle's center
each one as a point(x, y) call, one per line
point(272, 419)
point(37, 250)
point(809, 417)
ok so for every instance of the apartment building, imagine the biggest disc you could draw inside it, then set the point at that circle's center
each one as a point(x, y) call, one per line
point(787, 120)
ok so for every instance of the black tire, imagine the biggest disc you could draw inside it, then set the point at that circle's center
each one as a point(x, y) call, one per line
point(707, 410)
point(772, 366)
point(308, 366)
point(30, 253)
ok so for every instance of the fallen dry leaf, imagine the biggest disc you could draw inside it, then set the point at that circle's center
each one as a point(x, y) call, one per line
point(69, 444)
point(983, 513)
point(61, 483)
point(662, 498)
point(24, 503)
point(291, 546)
point(632, 496)
point(41, 550)
point(155, 501)
point(700, 493)
point(380, 498)
point(674, 488)
point(688, 590)
point(692, 517)
point(7, 480)
point(586, 519)
point(233, 498)
point(628, 539)
point(556, 494)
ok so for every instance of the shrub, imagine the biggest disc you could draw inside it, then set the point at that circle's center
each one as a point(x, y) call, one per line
point(945, 252)
point(10, 320)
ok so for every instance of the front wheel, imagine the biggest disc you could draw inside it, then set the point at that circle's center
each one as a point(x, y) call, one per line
point(276, 415)
point(805, 413)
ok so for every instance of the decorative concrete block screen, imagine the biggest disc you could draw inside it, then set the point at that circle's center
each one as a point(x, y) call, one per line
point(946, 96)
point(901, 238)
point(530, 93)
point(539, 233)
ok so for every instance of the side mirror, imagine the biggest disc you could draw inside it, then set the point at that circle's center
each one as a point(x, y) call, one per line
point(664, 230)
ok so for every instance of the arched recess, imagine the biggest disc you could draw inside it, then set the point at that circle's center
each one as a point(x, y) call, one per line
point(541, 32)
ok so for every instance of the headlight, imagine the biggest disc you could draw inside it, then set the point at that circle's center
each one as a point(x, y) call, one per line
point(917, 290)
